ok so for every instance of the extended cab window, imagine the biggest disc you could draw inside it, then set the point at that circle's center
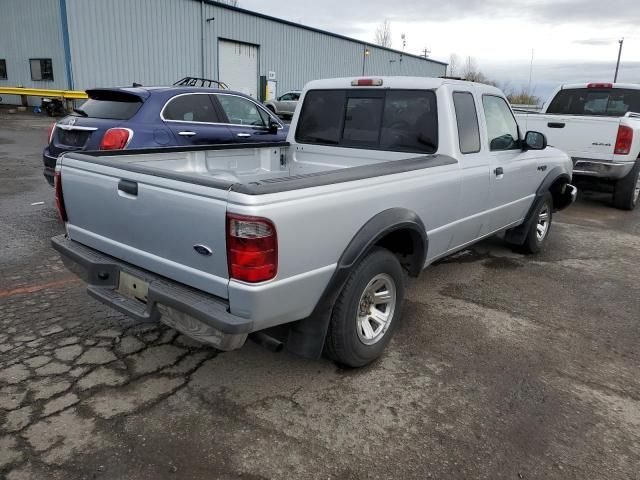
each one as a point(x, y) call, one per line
point(502, 128)
point(467, 119)
point(191, 108)
point(393, 120)
point(611, 102)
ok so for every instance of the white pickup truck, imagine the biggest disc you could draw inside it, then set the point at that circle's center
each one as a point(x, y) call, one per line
point(379, 176)
point(598, 125)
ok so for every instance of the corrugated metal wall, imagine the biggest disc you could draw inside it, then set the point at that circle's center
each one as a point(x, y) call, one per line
point(118, 42)
point(31, 29)
point(156, 42)
point(298, 55)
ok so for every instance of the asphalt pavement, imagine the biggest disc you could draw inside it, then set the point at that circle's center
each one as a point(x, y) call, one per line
point(504, 366)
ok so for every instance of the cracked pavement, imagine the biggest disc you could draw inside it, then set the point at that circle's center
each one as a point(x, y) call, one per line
point(504, 366)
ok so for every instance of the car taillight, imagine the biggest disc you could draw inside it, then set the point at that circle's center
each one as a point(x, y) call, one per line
point(115, 139)
point(624, 140)
point(52, 128)
point(252, 248)
point(57, 182)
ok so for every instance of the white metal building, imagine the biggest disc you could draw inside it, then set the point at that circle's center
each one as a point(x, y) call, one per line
point(79, 44)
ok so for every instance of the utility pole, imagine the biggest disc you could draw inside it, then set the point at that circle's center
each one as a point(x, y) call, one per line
point(365, 54)
point(425, 53)
point(615, 78)
point(530, 73)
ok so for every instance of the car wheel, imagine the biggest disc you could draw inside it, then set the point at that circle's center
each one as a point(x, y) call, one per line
point(366, 312)
point(540, 226)
point(627, 189)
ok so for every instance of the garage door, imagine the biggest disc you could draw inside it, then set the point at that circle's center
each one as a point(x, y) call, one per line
point(238, 66)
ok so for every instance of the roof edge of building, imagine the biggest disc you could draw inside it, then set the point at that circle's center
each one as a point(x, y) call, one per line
point(317, 30)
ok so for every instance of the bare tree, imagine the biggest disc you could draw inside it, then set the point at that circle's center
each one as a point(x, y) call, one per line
point(454, 65)
point(383, 34)
point(472, 73)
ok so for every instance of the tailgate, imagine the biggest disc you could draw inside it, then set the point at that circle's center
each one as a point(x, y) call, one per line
point(579, 136)
point(155, 228)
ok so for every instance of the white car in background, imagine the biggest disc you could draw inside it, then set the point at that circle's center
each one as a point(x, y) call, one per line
point(284, 105)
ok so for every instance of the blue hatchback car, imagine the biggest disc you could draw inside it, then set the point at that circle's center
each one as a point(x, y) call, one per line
point(153, 117)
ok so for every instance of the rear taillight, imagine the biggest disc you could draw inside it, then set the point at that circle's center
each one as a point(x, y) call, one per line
point(624, 140)
point(52, 128)
point(252, 248)
point(600, 85)
point(57, 182)
point(116, 139)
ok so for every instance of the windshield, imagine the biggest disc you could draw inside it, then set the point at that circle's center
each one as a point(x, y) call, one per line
point(610, 102)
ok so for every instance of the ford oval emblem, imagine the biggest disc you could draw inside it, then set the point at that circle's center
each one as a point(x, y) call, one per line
point(203, 250)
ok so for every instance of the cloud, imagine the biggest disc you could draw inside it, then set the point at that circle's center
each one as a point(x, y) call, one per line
point(348, 17)
point(595, 42)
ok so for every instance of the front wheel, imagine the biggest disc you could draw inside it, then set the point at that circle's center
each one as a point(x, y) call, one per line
point(627, 189)
point(366, 312)
point(538, 232)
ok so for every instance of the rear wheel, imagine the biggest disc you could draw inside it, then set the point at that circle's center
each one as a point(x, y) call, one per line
point(366, 312)
point(540, 225)
point(627, 189)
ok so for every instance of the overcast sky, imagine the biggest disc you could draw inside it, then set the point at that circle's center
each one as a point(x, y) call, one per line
point(572, 40)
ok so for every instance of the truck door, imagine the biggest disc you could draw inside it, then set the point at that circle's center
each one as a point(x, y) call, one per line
point(514, 172)
point(475, 170)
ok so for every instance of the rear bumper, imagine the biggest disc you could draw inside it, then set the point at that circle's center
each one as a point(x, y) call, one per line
point(601, 169)
point(199, 315)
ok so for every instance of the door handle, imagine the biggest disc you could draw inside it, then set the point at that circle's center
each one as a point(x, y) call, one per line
point(243, 135)
point(499, 172)
point(128, 186)
point(555, 125)
point(187, 134)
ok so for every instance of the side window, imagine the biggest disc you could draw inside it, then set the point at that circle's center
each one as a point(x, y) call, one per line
point(467, 119)
point(502, 128)
point(286, 97)
point(241, 111)
point(295, 96)
point(3, 69)
point(41, 69)
point(191, 108)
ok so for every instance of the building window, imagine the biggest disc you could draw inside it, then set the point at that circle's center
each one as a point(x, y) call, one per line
point(3, 69)
point(41, 69)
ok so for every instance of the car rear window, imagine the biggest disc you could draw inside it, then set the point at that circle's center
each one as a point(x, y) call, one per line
point(392, 120)
point(121, 109)
point(609, 102)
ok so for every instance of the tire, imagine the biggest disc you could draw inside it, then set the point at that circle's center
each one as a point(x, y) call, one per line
point(541, 219)
point(627, 189)
point(349, 341)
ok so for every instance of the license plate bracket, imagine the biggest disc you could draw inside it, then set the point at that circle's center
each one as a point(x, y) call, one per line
point(133, 287)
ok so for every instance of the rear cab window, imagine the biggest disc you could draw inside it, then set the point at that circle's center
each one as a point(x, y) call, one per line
point(609, 102)
point(467, 120)
point(109, 105)
point(391, 120)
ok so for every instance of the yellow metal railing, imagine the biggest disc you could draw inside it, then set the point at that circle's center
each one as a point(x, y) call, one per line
point(42, 92)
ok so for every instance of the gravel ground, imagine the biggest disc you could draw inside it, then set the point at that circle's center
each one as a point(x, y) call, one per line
point(504, 366)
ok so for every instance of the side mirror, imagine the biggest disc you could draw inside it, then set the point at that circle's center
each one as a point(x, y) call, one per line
point(273, 126)
point(535, 141)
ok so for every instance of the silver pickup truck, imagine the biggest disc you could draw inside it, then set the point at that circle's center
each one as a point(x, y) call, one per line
point(379, 177)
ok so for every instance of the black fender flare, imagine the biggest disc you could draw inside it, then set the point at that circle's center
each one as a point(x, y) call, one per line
point(518, 235)
point(306, 337)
